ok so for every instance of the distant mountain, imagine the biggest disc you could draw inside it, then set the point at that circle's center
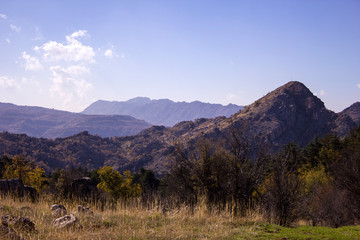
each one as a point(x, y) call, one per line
point(49, 123)
point(162, 112)
point(290, 113)
point(354, 112)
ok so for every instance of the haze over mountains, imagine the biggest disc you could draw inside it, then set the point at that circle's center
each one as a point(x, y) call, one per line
point(110, 119)
point(162, 112)
point(49, 123)
point(290, 113)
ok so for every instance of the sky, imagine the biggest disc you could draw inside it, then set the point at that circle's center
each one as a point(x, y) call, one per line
point(68, 54)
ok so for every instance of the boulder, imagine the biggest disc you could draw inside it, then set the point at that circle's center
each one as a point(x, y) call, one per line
point(85, 189)
point(84, 211)
point(58, 210)
point(16, 188)
point(8, 233)
point(31, 193)
point(66, 221)
point(8, 220)
point(22, 223)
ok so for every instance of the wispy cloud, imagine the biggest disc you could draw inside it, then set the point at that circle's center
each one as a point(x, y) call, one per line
point(111, 53)
point(72, 51)
point(108, 53)
point(358, 85)
point(31, 63)
point(8, 40)
point(3, 16)
point(15, 28)
point(322, 92)
point(8, 82)
point(38, 34)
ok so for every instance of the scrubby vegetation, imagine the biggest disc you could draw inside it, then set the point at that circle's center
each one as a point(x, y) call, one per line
point(231, 189)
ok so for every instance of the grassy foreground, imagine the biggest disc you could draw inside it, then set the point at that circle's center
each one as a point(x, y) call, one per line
point(135, 223)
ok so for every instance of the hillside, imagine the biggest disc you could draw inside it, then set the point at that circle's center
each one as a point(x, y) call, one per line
point(290, 113)
point(162, 112)
point(49, 123)
point(353, 111)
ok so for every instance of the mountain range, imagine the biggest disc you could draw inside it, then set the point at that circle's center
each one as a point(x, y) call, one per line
point(290, 113)
point(162, 112)
point(49, 123)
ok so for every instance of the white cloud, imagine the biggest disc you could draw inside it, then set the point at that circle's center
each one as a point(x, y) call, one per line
point(31, 63)
point(69, 85)
point(322, 92)
point(108, 53)
point(358, 85)
point(15, 28)
point(3, 16)
point(8, 82)
point(73, 51)
point(29, 81)
point(7, 40)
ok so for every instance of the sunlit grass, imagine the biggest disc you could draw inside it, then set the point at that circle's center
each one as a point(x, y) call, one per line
point(133, 222)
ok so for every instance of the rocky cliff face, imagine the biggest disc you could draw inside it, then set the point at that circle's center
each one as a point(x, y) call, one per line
point(290, 113)
point(162, 112)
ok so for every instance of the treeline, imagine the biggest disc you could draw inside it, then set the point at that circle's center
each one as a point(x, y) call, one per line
point(319, 183)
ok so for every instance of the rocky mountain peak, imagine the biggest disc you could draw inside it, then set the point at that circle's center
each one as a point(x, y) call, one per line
point(292, 109)
point(353, 111)
point(293, 96)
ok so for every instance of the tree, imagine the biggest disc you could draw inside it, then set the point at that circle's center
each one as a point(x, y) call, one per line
point(116, 184)
point(28, 172)
point(37, 178)
point(18, 168)
point(147, 180)
point(283, 188)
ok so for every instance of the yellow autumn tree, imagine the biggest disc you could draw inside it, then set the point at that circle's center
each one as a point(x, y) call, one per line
point(37, 179)
point(19, 168)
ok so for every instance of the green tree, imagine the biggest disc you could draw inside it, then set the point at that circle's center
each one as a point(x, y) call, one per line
point(116, 184)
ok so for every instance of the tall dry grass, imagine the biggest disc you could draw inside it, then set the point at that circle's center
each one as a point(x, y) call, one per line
point(134, 221)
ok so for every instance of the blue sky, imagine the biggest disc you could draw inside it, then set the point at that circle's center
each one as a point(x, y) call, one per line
point(68, 54)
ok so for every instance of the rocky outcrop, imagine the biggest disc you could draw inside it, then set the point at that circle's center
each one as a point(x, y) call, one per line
point(84, 211)
point(65, 222)
point(8, 233)
point(16, 188)
point(58, 210)
point(19, 223)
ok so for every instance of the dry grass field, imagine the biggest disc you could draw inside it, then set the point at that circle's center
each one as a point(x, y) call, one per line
point(133, 222)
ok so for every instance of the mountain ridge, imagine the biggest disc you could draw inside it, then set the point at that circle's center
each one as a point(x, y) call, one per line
point(50, 123)
point(161, 111)
point(290, 113)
